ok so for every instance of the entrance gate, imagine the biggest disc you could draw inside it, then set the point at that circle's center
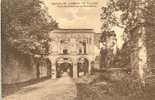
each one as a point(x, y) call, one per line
point(64, 65)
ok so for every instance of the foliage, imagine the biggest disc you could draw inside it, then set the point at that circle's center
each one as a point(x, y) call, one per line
point(129, 16)
point(25, 26)
point(134, 15)
point(128, 88)
point(108, 18)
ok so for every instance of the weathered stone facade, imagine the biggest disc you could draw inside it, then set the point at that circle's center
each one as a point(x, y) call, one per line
point(71, 46)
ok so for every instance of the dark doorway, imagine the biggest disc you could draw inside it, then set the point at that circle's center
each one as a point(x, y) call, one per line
point(83, 65)
point(64, 66)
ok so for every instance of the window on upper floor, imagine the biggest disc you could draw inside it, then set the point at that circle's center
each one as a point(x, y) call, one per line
point(80, 51)
point(82, 48)
point(65, 51)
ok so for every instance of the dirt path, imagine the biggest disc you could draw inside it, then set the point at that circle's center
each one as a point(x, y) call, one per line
point(59, 89)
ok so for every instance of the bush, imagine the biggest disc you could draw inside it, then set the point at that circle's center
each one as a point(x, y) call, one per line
point(126, 88)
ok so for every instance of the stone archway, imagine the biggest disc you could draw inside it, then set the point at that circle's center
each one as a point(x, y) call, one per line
point(64, 65)
point(82, 66)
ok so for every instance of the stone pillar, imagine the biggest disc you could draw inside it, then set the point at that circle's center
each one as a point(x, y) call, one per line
point(89, 67)
point(92, 44)
point(75, 68)
point(59, 46)
point(75, 71)
point(53, 70)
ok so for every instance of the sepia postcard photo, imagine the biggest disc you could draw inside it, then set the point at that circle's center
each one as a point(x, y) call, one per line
point(77, 49)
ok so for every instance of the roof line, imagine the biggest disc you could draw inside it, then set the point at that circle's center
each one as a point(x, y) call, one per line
point(73, 29)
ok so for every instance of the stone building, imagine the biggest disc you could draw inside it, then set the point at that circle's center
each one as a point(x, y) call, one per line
point(72, 50)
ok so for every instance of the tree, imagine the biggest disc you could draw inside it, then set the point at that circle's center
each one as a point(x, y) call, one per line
point(135, 20)
point(25, 26)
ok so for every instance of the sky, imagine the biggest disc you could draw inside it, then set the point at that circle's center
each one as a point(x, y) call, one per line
point(80, 17)
point(76, 17)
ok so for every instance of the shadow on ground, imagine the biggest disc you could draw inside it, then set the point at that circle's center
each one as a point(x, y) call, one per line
point(9, 89)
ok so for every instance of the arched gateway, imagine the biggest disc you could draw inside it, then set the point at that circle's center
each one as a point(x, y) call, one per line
point(64, 65)
point(71, 51)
